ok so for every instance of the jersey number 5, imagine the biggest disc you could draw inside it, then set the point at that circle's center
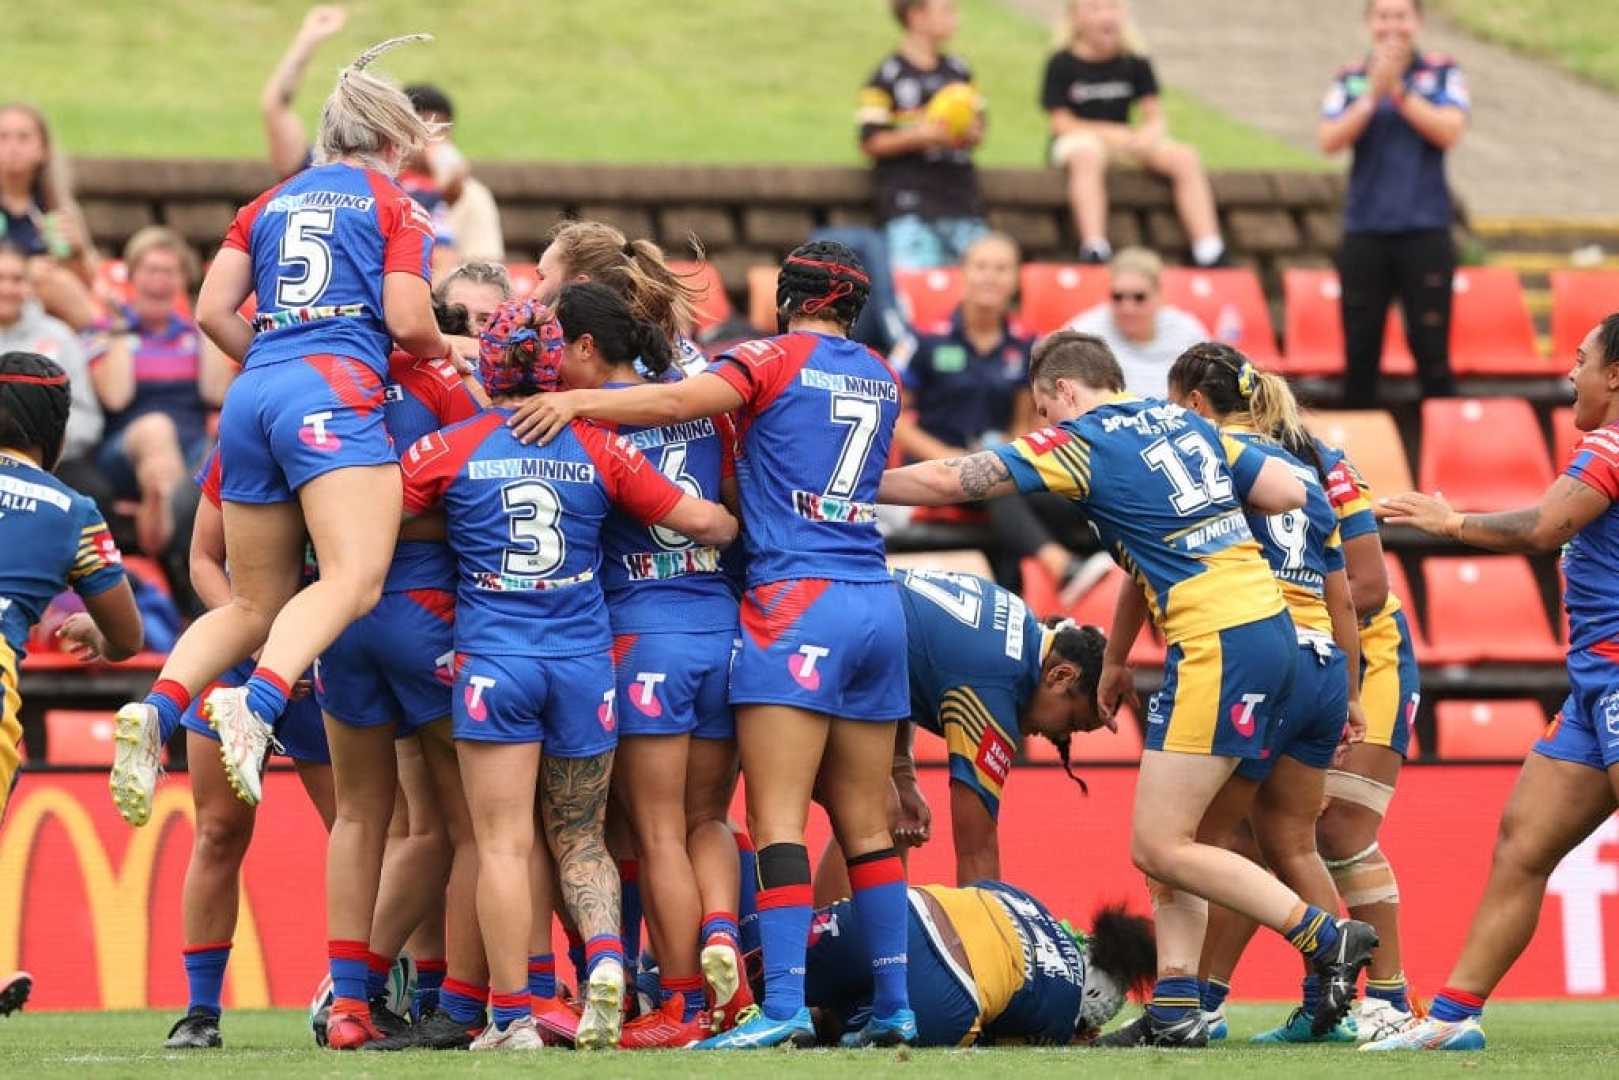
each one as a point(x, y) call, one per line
point(534, 515)
point(302, 247)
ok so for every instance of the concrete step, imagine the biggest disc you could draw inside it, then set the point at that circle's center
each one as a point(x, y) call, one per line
point(1540, 235)
point(1531, 264)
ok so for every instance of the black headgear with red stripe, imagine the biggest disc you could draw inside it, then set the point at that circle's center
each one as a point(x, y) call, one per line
point(35, 397)
point(824, 280)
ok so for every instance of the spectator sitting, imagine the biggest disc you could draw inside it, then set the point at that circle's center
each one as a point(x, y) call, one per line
point(40, 216)
point(157, 384)
point(1088, 92)
point(1145, 333)
point(470, 215)
point(966, 388)
point(24, 327)
point(927, 188)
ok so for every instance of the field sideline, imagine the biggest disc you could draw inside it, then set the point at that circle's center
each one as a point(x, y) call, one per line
point(1528, 1039)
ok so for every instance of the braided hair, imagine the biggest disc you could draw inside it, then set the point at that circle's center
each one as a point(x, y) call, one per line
point(1082, 646)
point(520, 351)
point(1234, 386)
point(35, 396)
point(822, 279)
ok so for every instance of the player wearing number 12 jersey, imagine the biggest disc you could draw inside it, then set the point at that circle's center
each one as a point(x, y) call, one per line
point(819, 682)
point(1159, 491)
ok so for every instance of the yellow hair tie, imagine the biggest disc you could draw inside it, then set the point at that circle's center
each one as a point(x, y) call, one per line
point(1246, 377)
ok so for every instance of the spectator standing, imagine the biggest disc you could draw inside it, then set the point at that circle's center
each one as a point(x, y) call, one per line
point(1401, 109)
point(284, 132)
point(1145, 333)
point(40, 216)
point(470, 214)
point(1089, 91)
point(157, 383)
point(927, 188)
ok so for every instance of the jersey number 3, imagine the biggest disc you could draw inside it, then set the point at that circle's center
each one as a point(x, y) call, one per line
point(304, 249)
point(534, 516)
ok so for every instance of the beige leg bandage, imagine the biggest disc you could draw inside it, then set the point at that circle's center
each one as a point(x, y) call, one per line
point(1364, 878)
point(1360, 790)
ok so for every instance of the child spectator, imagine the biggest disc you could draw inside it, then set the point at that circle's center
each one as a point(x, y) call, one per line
point(1089, 90)
point(40, 216)
point(1145, 333)
point(927, 188)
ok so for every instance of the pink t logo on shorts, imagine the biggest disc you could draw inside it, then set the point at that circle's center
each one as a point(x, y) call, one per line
point(473, 695)
point(802, 665)
point(604, 712)
point(646, 698)
point(314, 434)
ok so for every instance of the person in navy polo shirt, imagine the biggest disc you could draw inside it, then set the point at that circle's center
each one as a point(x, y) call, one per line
point(1401, 109)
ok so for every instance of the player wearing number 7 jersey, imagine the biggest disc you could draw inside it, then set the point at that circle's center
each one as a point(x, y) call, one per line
point(338, 258)
point(820, 680)
point(1157, 487)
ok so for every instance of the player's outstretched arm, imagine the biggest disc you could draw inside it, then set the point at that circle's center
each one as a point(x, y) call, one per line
point(952, 480)
point(1568, 506)
point(1276, 490)
point(542, 417)
point(705, 522)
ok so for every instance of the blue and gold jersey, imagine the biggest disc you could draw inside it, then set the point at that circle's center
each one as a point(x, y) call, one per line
point(1302, 546)
point(1165, 497)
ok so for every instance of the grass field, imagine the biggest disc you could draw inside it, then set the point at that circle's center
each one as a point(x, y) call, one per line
point(1568, 1040)
point(604, 80)
point(1582, 37)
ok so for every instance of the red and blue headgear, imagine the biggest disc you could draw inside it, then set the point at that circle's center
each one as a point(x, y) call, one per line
point(520, 352)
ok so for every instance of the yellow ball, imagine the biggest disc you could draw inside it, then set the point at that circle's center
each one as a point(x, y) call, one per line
point(955, 106)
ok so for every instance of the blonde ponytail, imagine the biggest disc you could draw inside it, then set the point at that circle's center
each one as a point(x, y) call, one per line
point(635, 269)
point(367, 114)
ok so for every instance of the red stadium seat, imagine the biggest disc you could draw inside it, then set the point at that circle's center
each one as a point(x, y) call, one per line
point(1314, 329)
point(1487, 609)
point(148, 571)
point(525, 275)
point(1401, 588)
point(928, 297)
point(1372, 441)
point(74, 737)
point(1099, 745)
point(1580, 300)
point(1488, 730)
point(1490, 329)
point(1231, 304)
point(1565, 436)
point(1039, 589)
point(1053, 293)
point(1095, 608)
point(1485, 454)
point(714, 308)
point(762, 297)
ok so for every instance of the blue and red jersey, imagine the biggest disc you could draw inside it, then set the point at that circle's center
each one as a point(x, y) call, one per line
point(421, 397)
point(1591, 557)
point(816, 422)
point(321, 242)
point(525, 523)
point(657, 579)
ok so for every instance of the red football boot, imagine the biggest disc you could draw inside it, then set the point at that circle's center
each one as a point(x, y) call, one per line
point(663, 1029)
point(727, 978)
point(350, 1029)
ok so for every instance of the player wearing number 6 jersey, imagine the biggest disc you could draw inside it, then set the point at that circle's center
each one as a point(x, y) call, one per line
point(338, 258)
point(820, 677)
point(1157, 487)
point(534, 662)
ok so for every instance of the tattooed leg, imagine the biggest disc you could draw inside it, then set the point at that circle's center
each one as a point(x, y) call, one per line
point(573, 792)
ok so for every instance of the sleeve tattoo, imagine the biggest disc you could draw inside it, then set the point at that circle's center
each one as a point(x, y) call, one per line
point(979, 473)
point(573, 795)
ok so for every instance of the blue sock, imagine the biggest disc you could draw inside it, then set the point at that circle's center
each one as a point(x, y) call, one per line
point(1393, 991)
point(1213, 993)
point(542, 975)
point(171, 700)
point(1453, 1005)
point(205, 975)
point(509, 1007)
point(878, 881)
point(690, 991)
point(785, 909)
point(1315, 934)
point(1173, 998)
point(1312, 994)
point(429, 977)
point(349, 969)
point(376, 976)
point(629, 877)
point(722, 923)
point(267, 695)
point(576, 956)
point(599, 948)
point(463, 1001)
point(747, 905)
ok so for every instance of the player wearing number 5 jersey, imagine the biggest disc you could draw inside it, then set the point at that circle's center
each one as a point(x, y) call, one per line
point(337, 257)
point(533, 646)
point(819, 681)
point(1156, 484)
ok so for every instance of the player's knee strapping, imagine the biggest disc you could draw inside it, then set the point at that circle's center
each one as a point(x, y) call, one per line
point(1364, 878)
point(1360, 790)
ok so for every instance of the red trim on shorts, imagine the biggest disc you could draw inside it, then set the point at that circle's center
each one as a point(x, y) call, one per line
point(439, 603)
point(356, 385)
point(622, 645)
point(770, 611)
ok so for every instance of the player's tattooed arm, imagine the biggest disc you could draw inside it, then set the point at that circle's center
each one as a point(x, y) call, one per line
point(951, 480)
point(1567, 507)
point(573, 797)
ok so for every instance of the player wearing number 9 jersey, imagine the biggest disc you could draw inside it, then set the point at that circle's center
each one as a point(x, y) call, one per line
point(533, 646)
point(1159, 491)
point(819, 681)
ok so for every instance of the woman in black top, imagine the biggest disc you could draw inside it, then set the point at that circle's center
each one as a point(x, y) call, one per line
point(1088, 92)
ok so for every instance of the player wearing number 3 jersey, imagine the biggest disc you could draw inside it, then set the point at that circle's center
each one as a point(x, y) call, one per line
point(1157, 487)
point(820, 680)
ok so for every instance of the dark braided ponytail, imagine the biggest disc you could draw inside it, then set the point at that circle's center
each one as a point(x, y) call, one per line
point(1082, 646)
point(35, 397)
point(822, 280)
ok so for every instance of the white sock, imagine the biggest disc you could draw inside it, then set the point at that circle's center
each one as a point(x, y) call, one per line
point(1208, 250)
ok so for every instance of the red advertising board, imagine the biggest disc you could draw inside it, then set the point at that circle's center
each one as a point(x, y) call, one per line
point(92, 907)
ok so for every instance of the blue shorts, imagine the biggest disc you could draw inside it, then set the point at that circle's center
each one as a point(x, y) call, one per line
point(675, 683)
point(301, 731)
point(394, 666)
point(1586, 730)
point(1223, 691)
point(918, 243)
point(832, 647)
point(564, 702)
point(287, 423)
point(1390, 682)
point(1312, 720)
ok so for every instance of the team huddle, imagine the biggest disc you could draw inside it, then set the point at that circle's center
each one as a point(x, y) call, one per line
point(523, 584)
